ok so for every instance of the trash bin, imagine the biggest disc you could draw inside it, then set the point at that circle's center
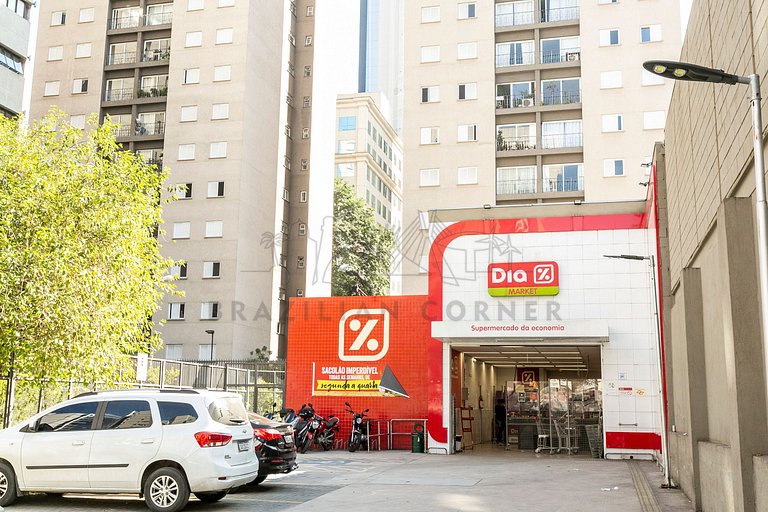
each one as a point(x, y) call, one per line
point(417, 439)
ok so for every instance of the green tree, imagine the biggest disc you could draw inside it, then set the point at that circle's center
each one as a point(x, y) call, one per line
point(80, 266)
point(362, 249)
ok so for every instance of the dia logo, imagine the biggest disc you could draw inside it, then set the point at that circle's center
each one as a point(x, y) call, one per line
point(364, 335)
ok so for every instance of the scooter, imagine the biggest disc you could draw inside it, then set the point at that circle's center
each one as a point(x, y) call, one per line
point(326, 433)
point(358, 438)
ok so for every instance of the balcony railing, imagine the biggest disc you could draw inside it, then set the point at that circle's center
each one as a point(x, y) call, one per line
point(570, 55)
point(561, 140)
point(152, 92)
point(118, 94)
point(163, 18)
point(514, 58)
point(520, 186)
point(515, 143)
point(562, 184)
point(122, 131)
point(121, 58)
point(560, 14)
point(515, 18)
point(529, 17)
point(156, 128)
point(126, 21)
point(562, 98)
point(154, 55)
point(521, 100)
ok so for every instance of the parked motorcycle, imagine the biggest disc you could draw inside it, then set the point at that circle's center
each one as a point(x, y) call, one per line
point(326, 433)
point(358, 438)
point(306, 427)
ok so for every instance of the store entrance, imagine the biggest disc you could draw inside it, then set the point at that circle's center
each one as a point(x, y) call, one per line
point(545, 398)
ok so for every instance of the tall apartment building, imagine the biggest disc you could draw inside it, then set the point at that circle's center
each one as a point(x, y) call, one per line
point(190, 86)
point(529, 101)
point(369, 156)
point(14, 42)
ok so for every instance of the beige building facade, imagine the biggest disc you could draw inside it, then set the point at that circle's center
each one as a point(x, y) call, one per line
point(204, 88)
point(718, 427)
point(14, 44)
point(528, 101)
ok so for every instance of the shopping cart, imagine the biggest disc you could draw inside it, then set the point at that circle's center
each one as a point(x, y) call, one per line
point(543, 440)
point(595, 438)
point(567, 435)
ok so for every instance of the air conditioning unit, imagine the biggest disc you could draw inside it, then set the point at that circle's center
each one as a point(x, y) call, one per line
point(572, 56)
point(527, 102)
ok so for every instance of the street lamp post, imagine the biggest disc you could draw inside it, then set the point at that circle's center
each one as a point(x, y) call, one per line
point(659, 360)
point(210, 331)
point(692, 72)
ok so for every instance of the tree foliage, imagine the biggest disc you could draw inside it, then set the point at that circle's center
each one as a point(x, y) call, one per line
point(80, 266)
point(362, 249)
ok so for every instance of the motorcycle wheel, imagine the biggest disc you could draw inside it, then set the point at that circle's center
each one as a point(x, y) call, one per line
point(354, 442)
point(305, 445)
point(327, 441)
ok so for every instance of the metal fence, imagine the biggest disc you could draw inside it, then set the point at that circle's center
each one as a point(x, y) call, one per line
point(261, 384)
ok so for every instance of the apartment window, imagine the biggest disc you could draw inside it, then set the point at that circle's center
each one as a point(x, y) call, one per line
point(286, 195)
point(310, 10)
point(222, 73)
point(650, 34)
point(83, 50)
point(306, 102)
point(613, 123)
point(609, 37)
point(308, 41)
point(430, 54)
point(206, 352)
point(607, 1)
point(516, 53)
point(429, 177)
point(77, 121)
point(430, 135)
point(86, 15)
point(301, 262)
point(307, 71)
point(514, 13)
point(467, 10)
point(211, 269)
point(193, 39)
point(516, 180)
point(430, 14)
point(192, 76)
point(468, 91)
point(226, 3)
point(613, 167)
point(345, 170)
point(51, 88)
point(347, 123)
point(214, 229)
point(215, 189)
point(188, 113)
point(467, 176)
point(55, 52)
point(174, 352)
point(209, 311)
point(304, 164)
point(563, 178)
point(345, 147)
point(186, 152)
point(195, 5)
point(218, 150)
point(653, 120)
point(179, 271)
point(560, 49)
point(467, 133)
point(561, 134)
point(649, 78)
point(610, 79)
point(466, 50)
point(302, 229)
point(305, 133)
point(516, 137)
point(303, 196)
point(181, 230)
point(220, 111)
point(176, 311)
point(225, 36)
point(184, 191)
point(79, 85)
point(430, 94)
point(562, 91)
point(58, 18)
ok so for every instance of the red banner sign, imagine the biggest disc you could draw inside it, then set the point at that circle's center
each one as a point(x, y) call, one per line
point(523, 279)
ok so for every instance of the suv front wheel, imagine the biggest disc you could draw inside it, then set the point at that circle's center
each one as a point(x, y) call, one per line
point(166, 490)
point(7, 485)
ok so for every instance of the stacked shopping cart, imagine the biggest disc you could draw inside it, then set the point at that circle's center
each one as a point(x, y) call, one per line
point(595, 438)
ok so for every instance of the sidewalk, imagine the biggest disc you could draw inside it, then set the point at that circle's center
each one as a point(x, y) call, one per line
point(485, 479)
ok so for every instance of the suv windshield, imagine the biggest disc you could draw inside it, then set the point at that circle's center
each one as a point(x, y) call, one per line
point(228, 410)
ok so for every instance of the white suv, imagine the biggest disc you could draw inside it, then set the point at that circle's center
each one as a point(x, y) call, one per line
point(157, 443)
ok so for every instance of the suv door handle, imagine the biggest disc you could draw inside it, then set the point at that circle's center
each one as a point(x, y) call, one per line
point(78, 443)
point(147, 441)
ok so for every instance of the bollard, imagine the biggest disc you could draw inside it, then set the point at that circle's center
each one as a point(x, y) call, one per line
point(417, 439)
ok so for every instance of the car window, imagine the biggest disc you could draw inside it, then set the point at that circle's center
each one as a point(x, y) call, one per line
point(228, 410)
point(124, 414)
point(68, 418)
point(176, 413)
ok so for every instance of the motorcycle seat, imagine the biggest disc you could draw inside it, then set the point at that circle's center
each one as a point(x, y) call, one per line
point(331, 422)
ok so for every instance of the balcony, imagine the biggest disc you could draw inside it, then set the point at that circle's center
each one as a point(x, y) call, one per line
point(135, 20)
point(563, 184)
point(515, 143)
point(153, 128)
point(514, 187)
point(121, 131)
point(114, 59)
point(569, 55)
point(561, 98)
point(562, 140)
point(123, 22)
point(555, 14)
point(156, 55)
point(162, 18)
point(118, 94)
point(153, 92)
point(514, 58)
point(518, 101)
point(514, 19)
point(551, 15)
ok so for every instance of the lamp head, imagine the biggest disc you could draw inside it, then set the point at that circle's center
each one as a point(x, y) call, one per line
point(689, 72)
point(209, 331)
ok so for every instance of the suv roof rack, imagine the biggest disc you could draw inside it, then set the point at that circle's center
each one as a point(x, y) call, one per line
point(144, 390)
